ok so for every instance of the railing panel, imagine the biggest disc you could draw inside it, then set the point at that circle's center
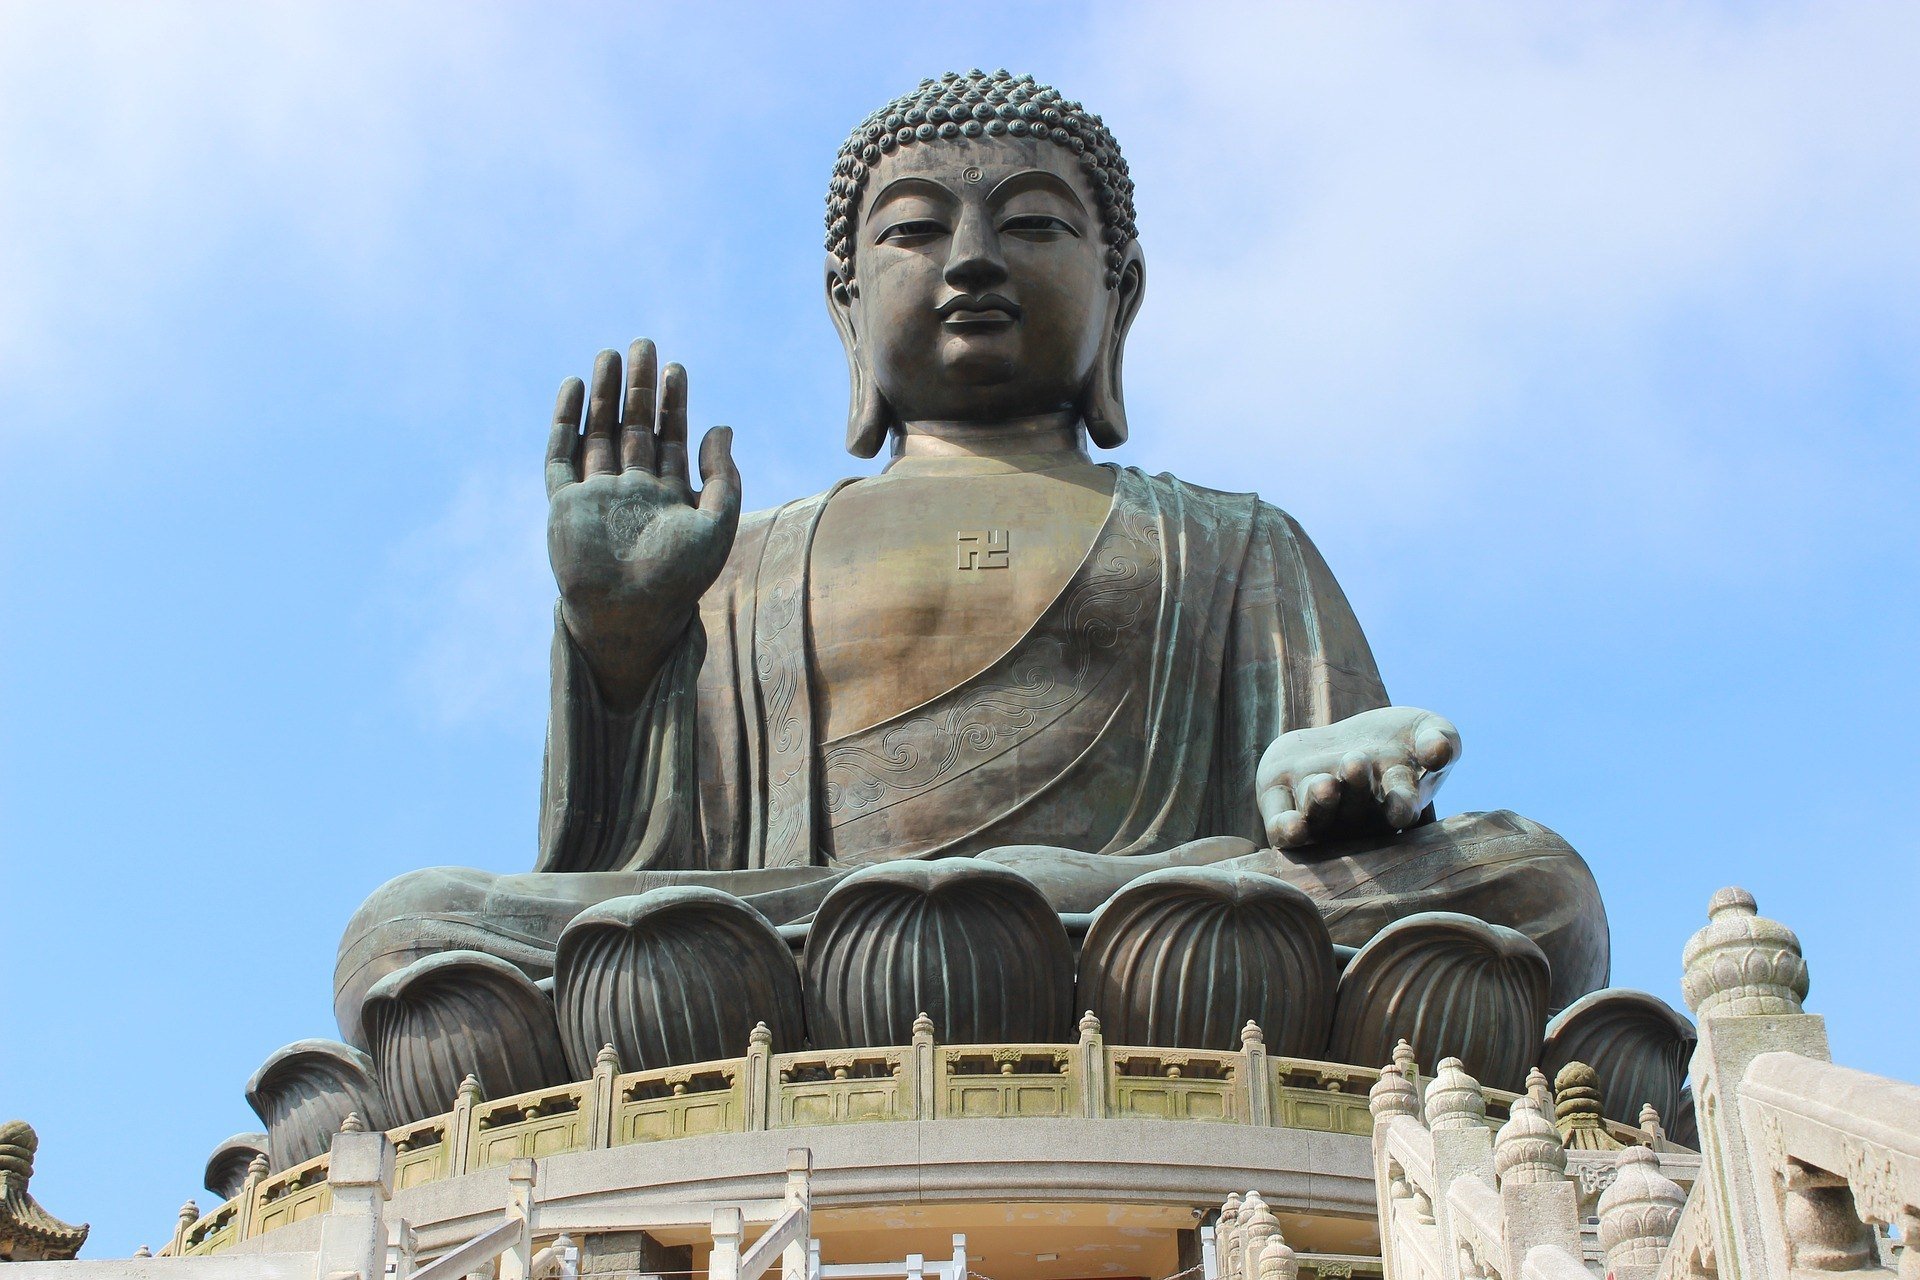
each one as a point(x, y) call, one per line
point(987, 1081)
point(680, 1102)
point(293, 1195)
point(545, 1122)
point(214, 1232)
point(1176, 1084)
point(845, 1086)
point(420, 1153)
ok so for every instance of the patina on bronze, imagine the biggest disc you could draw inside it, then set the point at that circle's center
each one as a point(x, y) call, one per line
point(996, 648)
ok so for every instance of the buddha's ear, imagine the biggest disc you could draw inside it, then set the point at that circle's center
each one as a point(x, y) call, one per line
point(868, 416)
point(1103, 405)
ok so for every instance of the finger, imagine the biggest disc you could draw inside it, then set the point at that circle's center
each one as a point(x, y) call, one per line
point(1319, 796)
point(1290, 830)
point(1436, 744)
point(603, 415)
point(673, 428)
point(564, 440)
point(636, 411)
point(1356, 771)
point(719, 478)
point(1399, 797)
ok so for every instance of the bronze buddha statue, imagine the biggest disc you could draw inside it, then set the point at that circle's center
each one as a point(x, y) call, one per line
point(997, 668)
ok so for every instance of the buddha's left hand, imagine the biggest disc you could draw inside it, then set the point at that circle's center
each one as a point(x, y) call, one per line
point(1372, 772)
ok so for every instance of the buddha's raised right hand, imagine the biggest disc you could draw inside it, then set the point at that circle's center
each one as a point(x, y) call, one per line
point(633, 549)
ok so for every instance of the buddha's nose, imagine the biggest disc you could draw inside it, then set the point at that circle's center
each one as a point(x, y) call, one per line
point(974, 262)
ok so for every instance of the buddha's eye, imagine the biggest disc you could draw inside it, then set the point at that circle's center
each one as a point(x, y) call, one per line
point(911, 232)
point(1037, 226)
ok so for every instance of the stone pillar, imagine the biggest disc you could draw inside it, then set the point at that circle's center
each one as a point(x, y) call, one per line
point(1462, 1143)
point(1093, 1067)
point(761, 1089)
point(1253, 1065)
point(1744, 980)
point(793, 1259)
point(353, 1234)
point(517, 1262)
point(603, 1103)
point(728, 1228)
point(923, 1071)
point(460, 1126)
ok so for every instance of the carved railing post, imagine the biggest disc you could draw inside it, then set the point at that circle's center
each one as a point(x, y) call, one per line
point(1462, 1144)
point(250, 1198)
point(1093, 1067)
point(923, 1071)
point(1745, 979)
point(728, 1228)
point(460, 1126)
point(762, 1091)
point(517, 1262)
point(1277, 1260)
point(403, 1250)
point(189, 1214)
point(602, 1103)
point(793, 1259)
point(1639, 1213)
point(1259, 1083)
point(1227, 1238)
point(353, 1234)
point(1539, 1205)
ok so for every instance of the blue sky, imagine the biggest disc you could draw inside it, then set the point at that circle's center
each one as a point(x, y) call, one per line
point(1583, 341)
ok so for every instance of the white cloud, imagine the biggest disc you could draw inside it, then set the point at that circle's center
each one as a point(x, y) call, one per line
point(1379, 238)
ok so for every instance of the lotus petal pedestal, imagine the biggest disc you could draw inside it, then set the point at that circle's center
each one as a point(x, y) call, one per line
point(673, 976)
point(456, 1014)
point(1186, 957)
point(305, 1091)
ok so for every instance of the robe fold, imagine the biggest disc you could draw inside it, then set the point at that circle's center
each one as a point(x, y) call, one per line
point(1128, 719)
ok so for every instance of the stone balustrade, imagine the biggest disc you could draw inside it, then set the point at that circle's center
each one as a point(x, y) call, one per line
point(924, 1080)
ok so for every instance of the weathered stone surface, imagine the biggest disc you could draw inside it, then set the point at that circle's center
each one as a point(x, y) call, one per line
point(673, 976)
point(454, 1014)
point(226, 1169)
point(973, 945)
point(1268, 960)
point(1451, 986)
point(303, 1092)
point(28, 1233)
point(1636, 1043)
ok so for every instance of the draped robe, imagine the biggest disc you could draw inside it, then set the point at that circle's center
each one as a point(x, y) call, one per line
point(1120, 733)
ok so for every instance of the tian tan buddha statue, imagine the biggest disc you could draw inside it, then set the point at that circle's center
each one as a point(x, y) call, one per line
point(999, 734)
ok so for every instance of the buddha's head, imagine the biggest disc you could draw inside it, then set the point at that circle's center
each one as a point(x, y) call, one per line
point(982, 263)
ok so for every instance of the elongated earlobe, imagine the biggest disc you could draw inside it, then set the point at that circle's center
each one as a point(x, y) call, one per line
point(1103, 404)
point(869, 417)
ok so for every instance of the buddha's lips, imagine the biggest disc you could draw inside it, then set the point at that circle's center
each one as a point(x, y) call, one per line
point(982, 311)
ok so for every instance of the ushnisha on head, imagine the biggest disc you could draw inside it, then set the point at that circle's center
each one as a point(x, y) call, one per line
point(983, 264)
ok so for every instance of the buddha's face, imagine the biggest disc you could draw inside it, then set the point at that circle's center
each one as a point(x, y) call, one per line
point(979, 272)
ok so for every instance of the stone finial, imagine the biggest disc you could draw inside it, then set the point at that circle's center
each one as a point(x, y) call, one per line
point(1650, 1123)
point(1540, 1089)
point(1251, 1037)
point(1393, 1095)
point(608, 1059)
point(1527, 1150)
point(258, 1168)
point(1742, 964)
point(761, 1037)
point(1089, 1025)
point(143, 1252)
point(1278, 1261)
point(1260, 1227)
point(1409, 1065)
point(353, 1123)
point(922, 1024)
point(1227, 1237)
point(470, 1090)
point(189, 1213)
point(18, 1144)
point(1454, 1098)
point(1576, 1110)
point(1639, 1212)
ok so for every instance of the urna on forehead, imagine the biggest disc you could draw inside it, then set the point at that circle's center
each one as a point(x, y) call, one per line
point(980, 104)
